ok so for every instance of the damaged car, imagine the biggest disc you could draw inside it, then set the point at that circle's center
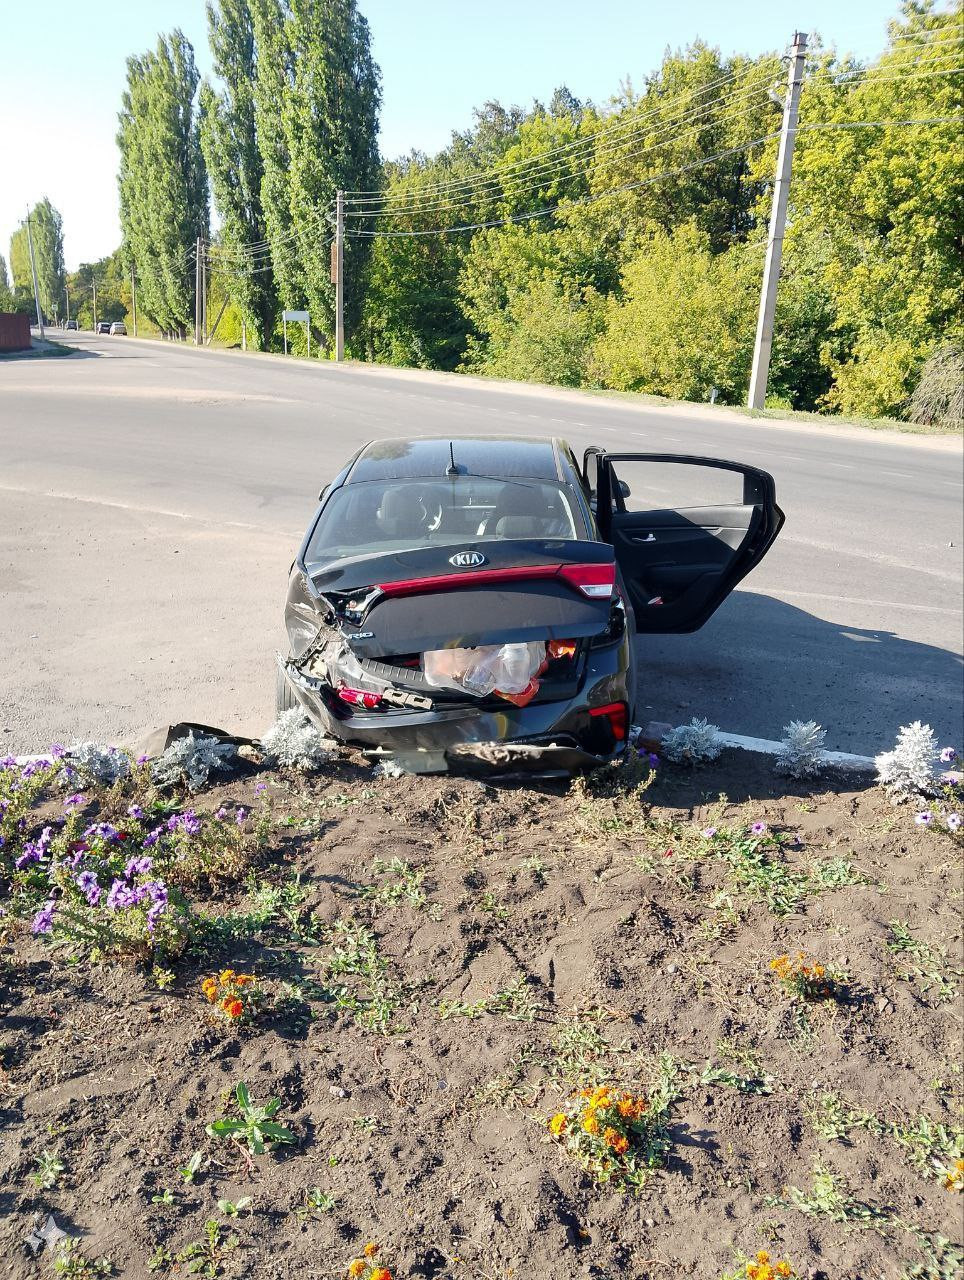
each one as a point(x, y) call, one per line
point(472, 602)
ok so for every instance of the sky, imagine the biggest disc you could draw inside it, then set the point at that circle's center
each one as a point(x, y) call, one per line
point(62, 71)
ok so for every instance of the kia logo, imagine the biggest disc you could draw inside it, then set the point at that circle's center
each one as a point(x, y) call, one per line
point(467, 559)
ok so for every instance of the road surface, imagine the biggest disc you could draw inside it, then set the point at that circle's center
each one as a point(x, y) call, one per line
point(152, 497)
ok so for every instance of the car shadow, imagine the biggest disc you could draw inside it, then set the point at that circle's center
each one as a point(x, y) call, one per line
point(861, 685)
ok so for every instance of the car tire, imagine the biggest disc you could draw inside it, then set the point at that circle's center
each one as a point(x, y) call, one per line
point(284, 698)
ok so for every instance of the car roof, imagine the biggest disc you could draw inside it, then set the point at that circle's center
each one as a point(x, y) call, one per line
point(529, 457)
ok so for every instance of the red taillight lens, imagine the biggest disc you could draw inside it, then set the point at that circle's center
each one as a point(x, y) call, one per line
point(617, 713)
point(359, 697)
point(594, 580)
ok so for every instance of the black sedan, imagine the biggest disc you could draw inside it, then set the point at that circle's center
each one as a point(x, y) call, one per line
point(472, 602)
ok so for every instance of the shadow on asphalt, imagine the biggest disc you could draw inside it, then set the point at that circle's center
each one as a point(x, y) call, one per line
point(860, 685)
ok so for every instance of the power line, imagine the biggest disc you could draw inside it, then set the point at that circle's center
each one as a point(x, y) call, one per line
point(879, 124)
point(610, 154)
point(573, 204)
point(478, 187)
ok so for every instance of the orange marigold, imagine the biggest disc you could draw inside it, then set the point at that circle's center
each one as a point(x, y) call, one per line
point(380, 1273)
point(370, 1249)
point(557, 1124)
point(232, 1007)
point(226, 975)
point(356, 1267)
point(590, 1122)
point(210, 988)
point(784, 1270)
point(243, 979)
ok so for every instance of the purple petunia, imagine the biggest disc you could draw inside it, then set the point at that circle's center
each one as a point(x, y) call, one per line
point(953, 822)
point(100, 831)
point(120, 895)
point(239, 817)
point(73, 801)
point(758, 829)
point(709, 833)
point(924, 819)
point(8, 762)
point(143, 758)
point(43, 921)
point(57, 750)
point(653, 760)
point(138, 866)
point(152, 838)
point(261, 787)
point(221, 814)
point(948, 754)
point(87, 884)
point(190, 823)
point(135, 811)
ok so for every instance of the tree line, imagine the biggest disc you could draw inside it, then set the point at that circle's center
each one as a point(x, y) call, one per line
point(608, 246)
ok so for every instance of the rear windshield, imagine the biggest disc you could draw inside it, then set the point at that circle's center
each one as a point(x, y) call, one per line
point(396, 515)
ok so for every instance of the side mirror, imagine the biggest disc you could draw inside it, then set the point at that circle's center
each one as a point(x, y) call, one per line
point(624, 488)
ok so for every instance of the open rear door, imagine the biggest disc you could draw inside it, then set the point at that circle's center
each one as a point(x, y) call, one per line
point(684, 530)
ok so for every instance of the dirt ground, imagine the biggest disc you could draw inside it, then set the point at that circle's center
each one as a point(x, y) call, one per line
point(530, 940)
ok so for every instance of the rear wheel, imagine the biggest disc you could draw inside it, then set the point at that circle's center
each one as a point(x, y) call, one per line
point(284, 698)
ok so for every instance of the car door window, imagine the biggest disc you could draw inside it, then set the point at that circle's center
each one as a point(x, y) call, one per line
point(652, 486)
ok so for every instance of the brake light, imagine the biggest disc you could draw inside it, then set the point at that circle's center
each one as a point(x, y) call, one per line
point(617, 713)
point(594, 580)
point(359, 697)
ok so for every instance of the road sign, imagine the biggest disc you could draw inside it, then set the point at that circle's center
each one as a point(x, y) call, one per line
point(299, 317)
point(295, 317)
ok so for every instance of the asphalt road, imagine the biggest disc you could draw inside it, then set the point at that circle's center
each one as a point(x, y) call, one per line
point(152, 496)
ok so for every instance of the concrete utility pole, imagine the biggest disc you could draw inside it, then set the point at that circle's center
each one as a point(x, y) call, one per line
point(33, 272)
point(204, 300)
point(340, 276)
point(778, 222)
point(197, 292)
point(93, 285)
point(67, 296)
point(134, 302)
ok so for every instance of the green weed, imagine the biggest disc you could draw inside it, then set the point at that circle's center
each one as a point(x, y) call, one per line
point(374, 997)
point(924, 963)
point(255, 1127)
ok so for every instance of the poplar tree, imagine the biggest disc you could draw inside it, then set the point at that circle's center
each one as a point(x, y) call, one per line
point(316, 115)
point(163, 187)
point(230, 147)
point(46, 226)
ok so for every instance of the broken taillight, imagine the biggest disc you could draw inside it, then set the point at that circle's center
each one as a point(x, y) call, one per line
point(358, 697)
point(617, 713)
point(593, 580)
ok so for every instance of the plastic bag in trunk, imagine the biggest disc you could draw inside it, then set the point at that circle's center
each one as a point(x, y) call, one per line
point(502, 668)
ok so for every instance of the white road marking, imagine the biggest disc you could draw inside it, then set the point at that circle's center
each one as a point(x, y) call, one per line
point(149, 511)
point(844, 466)
point(903, 475)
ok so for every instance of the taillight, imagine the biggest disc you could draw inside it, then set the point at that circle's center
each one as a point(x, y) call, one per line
point(359, 697)
point(617, 713)
point(594, 580)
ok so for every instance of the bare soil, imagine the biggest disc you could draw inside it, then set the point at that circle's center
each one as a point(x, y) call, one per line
point(617, 941)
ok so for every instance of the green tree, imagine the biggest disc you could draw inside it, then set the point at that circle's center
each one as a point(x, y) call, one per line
point(6, 293)
point(163, 187)
point(230, 146)
point(882, 208)
point(316, 99)
point(685, 321)
point(46, 227)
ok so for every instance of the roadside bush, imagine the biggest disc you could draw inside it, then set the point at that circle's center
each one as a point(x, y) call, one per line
point(190, 761)
point(909, 768)
point(293, 742)
point(938, 398)
point(694, 743)
point(801, 751)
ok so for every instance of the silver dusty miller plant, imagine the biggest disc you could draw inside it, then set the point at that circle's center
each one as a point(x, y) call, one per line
point(801, 751)
point(97, 763)
point(293, 742)
point(909, 769)
point(693, 743)
point(192, 760)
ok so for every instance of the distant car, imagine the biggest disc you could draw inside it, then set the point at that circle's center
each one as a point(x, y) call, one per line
point(472, 600)
point(71, 324)
point(118, 327)
point(102, 327)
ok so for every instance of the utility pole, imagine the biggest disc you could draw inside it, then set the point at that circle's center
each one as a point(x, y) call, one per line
point(340, 276)
point(93, 285)
point(204, 300)
point(33, 272)
point(134, 301)
point(197, 292)
point(778, 222)
point(67, 296)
